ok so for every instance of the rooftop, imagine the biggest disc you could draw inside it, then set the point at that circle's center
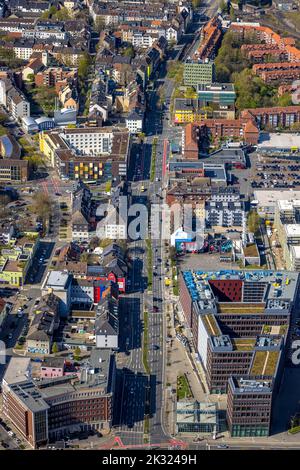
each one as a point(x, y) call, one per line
point(264, 363)
point(251, 250)
point(211, 325)
point(17, 370)
point(243, 344)
point(279, 141)
point(58, 279)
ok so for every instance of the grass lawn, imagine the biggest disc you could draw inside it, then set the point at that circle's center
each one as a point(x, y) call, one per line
point(145, 344)
point(153, 160)
point(183, 388)
point(149, 263)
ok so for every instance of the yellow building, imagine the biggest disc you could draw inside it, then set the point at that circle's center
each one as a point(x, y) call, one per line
point(16, 260)
point(187, 110)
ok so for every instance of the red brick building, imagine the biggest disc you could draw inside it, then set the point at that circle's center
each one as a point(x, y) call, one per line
point(274, 117)
point(244, 129)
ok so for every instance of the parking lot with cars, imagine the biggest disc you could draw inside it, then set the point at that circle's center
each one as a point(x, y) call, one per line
point(275, 173)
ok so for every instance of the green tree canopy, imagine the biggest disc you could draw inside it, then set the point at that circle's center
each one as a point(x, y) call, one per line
point(253, 221)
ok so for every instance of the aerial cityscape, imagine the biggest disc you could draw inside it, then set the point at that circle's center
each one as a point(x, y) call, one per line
point(149, 225)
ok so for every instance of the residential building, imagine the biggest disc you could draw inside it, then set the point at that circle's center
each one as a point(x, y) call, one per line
point(14, 100)
point(277, 116)
point(245, 130)
point(107, 323)
point(16, 260)
point(134, 122)
point(45, 322)
point(224, 208)
point(59, 282)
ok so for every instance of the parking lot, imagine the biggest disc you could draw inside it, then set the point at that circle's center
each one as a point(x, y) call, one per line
point(275, 172)
point(205, 261)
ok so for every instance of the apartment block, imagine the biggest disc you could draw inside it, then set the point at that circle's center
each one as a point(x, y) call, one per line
point(277, 116)
point(245, 130)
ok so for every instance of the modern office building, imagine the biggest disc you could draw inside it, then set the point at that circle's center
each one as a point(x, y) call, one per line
point(249, 406)
point(239, 321)
point(220, 93)
point(52, 407)
point(197, 72)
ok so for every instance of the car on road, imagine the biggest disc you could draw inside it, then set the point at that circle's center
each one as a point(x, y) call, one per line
point(222, 446)
point(5, 445)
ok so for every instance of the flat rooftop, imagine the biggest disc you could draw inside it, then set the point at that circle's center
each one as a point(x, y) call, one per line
point(280, 288)
point(58, 279)
point(243, 344)
point(17, 370)
point(279, 141)
point(216, 87)
point(264, 363)
point(211, 325)
point(270, 198)
point(251, 250)
point(292, 230)
point(249, 385)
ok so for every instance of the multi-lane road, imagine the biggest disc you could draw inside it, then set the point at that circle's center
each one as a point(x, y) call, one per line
point(138, 388)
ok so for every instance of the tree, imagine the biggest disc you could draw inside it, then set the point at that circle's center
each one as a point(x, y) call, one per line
point(99, 24)
point(3, 117)
point(141, 136)
point(129, 52)
point(54, 348)
point(49, 13)
point(42, 205)
point(83, 66)
point(224, 7)
point(222, 74)
point(173, 254)
point(35, 160)
point(253, 221)
point(252, 92)
point(84, 257)
point(77, 353)
point(285, 100)
point(232, 14)
point(62, 15)
point(4, 200)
